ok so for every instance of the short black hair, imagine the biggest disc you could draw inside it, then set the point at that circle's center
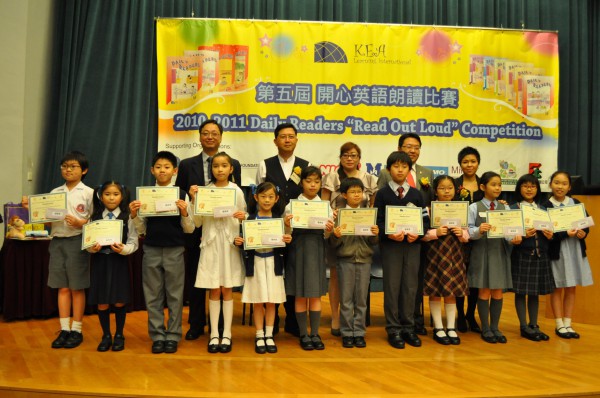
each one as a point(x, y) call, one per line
point(167, 156)
point(285, 126)
point(468, 150)
point(398, 156)
point(528, 178)
point(77, 157)
point(557, 172)
point(404, 136)
point(309, 171)
point(211, 121)
point(487, 176)
point(350, 182)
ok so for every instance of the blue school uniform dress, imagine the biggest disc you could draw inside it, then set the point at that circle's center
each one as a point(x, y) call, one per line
point(568, 259)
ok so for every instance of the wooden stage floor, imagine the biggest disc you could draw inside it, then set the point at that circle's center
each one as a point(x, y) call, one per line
point(29, 367)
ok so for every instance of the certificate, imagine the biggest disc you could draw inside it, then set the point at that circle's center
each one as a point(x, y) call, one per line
point(505, 223)
point(158, 201)
point(309, 213)
point(449, 214)
point(403, 218)
point(104, 232)
point(357, 221)
point(47, 207)
point(263, 233)
point(563, 217)
point(534, 217)
point(213, 201)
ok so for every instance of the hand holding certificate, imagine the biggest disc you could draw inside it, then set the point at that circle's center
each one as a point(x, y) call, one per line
point(263, 233)
point(357, 221)
point(216, 202)
point(505, 223)
point(102, 232)
point(47, 207)
point(407, 219)
point(309, 214)
point(449, 214)
point(158, 201)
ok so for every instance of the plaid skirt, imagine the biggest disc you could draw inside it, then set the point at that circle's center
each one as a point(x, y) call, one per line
point(446, 274)
point(531, 274)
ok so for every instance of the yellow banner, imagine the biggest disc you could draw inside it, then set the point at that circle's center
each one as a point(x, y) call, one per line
point(495, 90)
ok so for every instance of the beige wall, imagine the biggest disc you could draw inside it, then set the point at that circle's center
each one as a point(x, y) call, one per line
point(25, 68)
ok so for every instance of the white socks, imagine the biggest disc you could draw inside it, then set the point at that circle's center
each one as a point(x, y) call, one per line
point(76, 326)
point(227, 319)
point(65, 324)
point(214, 308)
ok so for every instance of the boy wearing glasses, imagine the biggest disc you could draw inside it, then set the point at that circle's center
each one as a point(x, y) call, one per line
point(68, 270)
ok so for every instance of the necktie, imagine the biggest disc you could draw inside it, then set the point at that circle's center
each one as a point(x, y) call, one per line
point(411, 180)
point(400, 192)
point(492, 206)
point(110, 215)
point(208, 170)
point(562, 205)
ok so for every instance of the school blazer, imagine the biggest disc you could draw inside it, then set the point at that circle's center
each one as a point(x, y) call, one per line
point(420, 171)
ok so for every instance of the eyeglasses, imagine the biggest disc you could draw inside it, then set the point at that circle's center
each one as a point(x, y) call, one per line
point(286, 137)
point(69, 166)
point(411, 147)
point(350, 156)
point(207, 134)
point(528, 187)
point(445, 189)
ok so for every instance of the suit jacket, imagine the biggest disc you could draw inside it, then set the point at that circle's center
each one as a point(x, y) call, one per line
point(420, 171)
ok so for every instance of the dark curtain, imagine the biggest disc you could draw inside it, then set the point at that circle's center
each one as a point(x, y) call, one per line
point(104, 97)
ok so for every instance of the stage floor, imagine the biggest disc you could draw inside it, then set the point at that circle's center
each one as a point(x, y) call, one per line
point(29, 367)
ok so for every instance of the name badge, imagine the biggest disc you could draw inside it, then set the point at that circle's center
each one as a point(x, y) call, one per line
point(223, 211)
point(513, 231)
point(482, 214)
point(56, 214)
point(451, 222)
point(407, 228)
point(165, 205)
point(541, 225)
point(317, 222)
point(363, 230)
point(105, 241)
point(296, 178)
point(272, 240)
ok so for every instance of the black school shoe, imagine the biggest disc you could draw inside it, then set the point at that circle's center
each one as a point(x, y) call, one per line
point(270, 343)
point(60, 341)
point(317, 342)
point(348, 342)
point(105, 343)
point(225, 348)
point(260, 349)
point(213, 345)
point(562, 332)
point(170, 346)
point(74, 339)
point(530, 334)
point(119, 342)
point(306, 343)
point(359, 342)
point(158, 347)
point(543, 336)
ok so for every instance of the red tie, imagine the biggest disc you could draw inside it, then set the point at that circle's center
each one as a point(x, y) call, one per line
point(492, 206)
point(411, 180)
point(400, 192)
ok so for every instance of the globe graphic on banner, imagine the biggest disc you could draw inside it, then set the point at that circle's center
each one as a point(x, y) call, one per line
point(326, 51)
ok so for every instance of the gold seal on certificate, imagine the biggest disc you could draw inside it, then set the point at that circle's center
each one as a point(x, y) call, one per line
point(309, 213)
point(215, 202)
point(534, 217)
point(103, 232)
point(158, 201)
point(563, 217)
point(263, 233)
point(357, 221)
point(505, 223)
point(47, 207)
point(449, 214)
point(403, 218)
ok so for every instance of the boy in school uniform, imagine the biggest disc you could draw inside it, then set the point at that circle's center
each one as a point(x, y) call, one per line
point(163, 269)
point(400, 254)
point(69, 266)
point(354, 257)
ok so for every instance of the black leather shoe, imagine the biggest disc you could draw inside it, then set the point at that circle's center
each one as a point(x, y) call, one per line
point(543, 336)
point(563, 333)
point(213, 345)
point(359, 342)
point(453, 340)
point(225, 348)
point(170, 346)
point(118, 343)
point(573, 334)
point(473, 326)
point(411, 339)
point(105, 343)
point(461, 324)
point(74, 339)
point(489, 337)
point(306, 343)
point(348, 342)
point(194, 334)
point(501, 339)
point(443, 340)
point(396, 341)
point(270, 343)
point(317, 342)
point(420, 330)
point(158, 347)
point(260, 349)
point(530, 334)
point(60, 341)
point(336, 332)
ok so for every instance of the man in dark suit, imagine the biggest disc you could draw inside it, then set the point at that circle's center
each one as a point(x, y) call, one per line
point(197, 171)
point(411, 144)
point(279, 170)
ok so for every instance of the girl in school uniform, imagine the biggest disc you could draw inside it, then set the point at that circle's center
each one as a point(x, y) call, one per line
point(489, 268)
point(568, 259)
point(264, 286)
point(109, 271)
point(220, 267)
point(531, 273)
point(446, 274)
point(305, 273)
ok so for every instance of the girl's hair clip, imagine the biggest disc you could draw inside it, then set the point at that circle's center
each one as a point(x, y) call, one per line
point(252, 188)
